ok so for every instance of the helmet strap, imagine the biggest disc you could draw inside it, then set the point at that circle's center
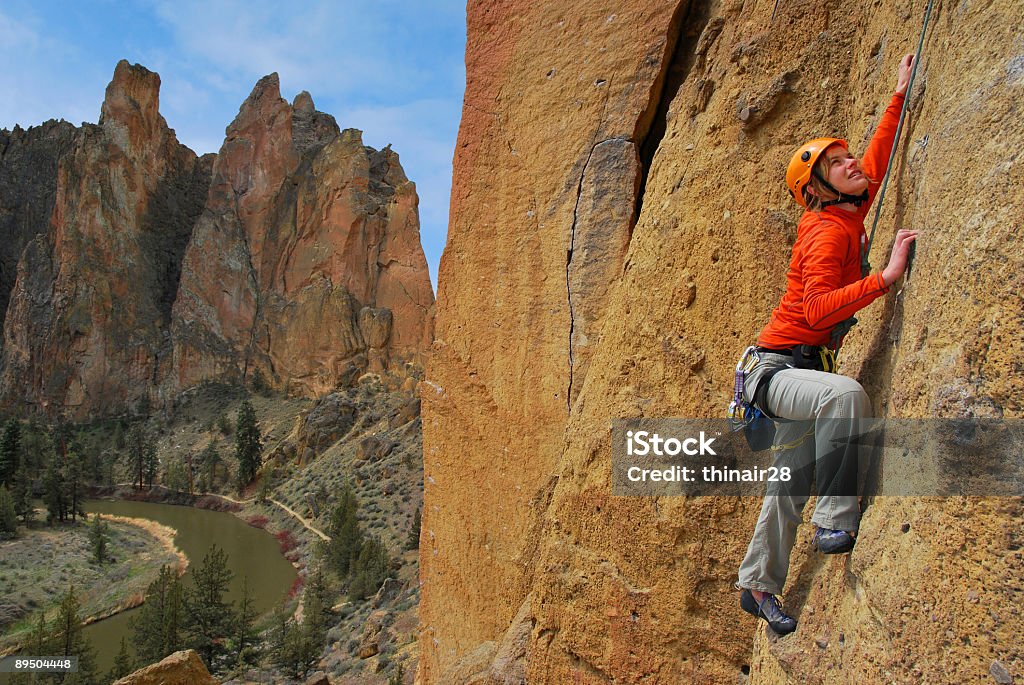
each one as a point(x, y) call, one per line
point(855, 200)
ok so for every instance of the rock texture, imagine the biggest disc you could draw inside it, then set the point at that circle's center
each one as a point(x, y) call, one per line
point(306, 260)
point(686, 114)
point(135, 270)
point(28, 190)
point(85, 330)
point(180, 668)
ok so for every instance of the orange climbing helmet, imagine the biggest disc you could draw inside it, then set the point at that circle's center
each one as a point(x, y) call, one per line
point(798, 174)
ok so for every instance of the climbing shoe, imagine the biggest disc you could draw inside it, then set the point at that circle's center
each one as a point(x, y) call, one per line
point(833, 541)
point(770, 609)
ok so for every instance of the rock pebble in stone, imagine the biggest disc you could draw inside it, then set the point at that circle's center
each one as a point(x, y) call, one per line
point(1000, 674)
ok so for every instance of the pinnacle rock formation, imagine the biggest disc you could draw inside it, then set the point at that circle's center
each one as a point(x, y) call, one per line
point(28, 190)
point(619, 234)
point(84, 331)
point(306, 261)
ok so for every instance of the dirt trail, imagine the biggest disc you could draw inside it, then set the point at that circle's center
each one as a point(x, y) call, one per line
point(291, 512)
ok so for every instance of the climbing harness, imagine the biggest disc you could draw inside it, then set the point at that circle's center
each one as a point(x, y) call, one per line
point(754, 418)
point(758, 428)
point(742, 412)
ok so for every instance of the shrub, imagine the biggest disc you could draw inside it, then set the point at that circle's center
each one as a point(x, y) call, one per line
point(258, 521)
point(286, 540)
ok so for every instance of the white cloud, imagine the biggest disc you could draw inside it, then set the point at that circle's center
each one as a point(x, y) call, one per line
point(14, 35)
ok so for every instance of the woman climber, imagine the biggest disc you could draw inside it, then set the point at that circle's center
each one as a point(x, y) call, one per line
point(791, 372)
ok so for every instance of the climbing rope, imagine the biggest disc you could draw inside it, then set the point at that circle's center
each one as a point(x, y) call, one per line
point(865, 266)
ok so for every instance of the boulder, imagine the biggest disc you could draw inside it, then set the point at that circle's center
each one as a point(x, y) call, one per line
point(181, 668)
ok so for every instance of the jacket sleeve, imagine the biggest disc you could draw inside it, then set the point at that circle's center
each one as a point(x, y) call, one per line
point(825, 303)
point(876, 159)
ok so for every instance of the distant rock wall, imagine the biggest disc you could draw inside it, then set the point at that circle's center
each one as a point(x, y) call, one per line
point(313, 231)
point(680, 118)
point(28, 190)
point(135, 269)
point(84, 330)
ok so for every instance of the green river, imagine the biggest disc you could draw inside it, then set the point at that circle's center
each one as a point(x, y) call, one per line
point(252, 552)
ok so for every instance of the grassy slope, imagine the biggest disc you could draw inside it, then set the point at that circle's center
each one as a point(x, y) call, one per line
point(37, 569)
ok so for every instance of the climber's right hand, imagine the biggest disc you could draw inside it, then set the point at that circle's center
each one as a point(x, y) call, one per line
point(899, 257)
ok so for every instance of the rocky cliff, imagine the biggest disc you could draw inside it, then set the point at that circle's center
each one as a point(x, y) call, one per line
point(619, 233)
point(84, 329)
point(135, 269)
point(28, 189)
point(306, 262)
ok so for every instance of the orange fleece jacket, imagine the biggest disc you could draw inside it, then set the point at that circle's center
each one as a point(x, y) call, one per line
point(824, 284)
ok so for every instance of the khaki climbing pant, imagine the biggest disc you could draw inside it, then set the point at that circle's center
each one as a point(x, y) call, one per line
point(822, 418)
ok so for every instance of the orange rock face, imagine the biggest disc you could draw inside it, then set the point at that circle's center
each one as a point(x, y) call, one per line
point(530, 249)
point(620, 232)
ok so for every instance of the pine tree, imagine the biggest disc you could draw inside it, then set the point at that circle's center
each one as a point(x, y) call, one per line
point(209, 460)
point(371, 569)
point(54, 491)
point(151, 461)
point(176, 477)
point(209, 616)
point(414, 533)
point(35, 445)
point(108, 460)
point(10, 451)
point(295, 647)
point(263, 492)
point(346, 537)
point(315, 609)
point(40, 637)
point(158, 625)
point(248, 444)
point(137, 441)
point(99, 536)
point(68, 640)
point(22, 495)
point(123, 663)
point(244, 633)
point(74, 483)
point(8, 513)
point(286, 643)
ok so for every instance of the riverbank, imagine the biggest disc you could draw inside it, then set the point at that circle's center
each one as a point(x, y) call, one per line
point(253, 558)
point(295, 535)
point(37, 569)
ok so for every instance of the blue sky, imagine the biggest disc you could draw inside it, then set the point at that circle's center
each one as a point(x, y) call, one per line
point(391, 68)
